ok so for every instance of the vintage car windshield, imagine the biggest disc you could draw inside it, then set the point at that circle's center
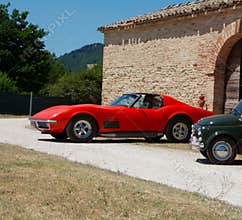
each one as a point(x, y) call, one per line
point(126, 100)
point(238, 109)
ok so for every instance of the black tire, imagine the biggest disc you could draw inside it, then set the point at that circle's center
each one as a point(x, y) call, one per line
point(204, 153)
point(81, 129)
point(178, 130)
point(218, 146)
point(153, 139)
point(61, 136)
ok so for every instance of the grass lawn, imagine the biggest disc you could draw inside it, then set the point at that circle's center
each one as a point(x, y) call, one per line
point(38, 186)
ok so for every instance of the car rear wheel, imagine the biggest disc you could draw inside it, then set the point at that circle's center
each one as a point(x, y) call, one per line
point(222, 150)
point(81, 129)
point(61, 136)
point(178, 130)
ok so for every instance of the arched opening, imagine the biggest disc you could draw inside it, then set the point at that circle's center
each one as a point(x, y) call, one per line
point(232, 81)
point(227, 75)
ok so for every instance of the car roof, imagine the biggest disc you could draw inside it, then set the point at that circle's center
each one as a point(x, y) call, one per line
point(142, 93)
point(168, 100)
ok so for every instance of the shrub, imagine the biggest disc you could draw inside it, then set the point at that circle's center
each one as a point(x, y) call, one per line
point(82, 87)
point(6, 84)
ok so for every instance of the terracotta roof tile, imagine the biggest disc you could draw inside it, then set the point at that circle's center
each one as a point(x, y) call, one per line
point(171, 11)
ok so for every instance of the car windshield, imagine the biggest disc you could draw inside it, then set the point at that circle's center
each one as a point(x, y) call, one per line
point(238, 109)
point(126, 100)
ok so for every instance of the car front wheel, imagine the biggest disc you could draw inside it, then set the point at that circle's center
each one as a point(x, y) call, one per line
point(81, 129)
point(222, 150)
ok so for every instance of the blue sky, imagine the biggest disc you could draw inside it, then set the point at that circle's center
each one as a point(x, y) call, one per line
point(73, 24)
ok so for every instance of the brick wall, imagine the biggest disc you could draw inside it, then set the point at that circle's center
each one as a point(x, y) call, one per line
point(175, 57)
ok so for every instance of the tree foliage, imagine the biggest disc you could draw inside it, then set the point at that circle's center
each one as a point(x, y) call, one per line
point(29, 67)
point(22, 54)
point(6, 84)
point(81, 87)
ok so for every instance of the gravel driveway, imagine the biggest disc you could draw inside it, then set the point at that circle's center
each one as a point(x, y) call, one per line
point(181, 169)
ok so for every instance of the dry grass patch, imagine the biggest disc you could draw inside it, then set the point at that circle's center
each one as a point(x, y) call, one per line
point(37, 186)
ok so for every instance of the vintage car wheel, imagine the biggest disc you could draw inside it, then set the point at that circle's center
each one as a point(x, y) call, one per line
point(61, 136)
point(204, 153)
point(81, 129)
point(222, 150)
point(178, 130)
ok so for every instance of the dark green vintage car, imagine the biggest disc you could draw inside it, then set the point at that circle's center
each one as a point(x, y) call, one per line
point(219, 137)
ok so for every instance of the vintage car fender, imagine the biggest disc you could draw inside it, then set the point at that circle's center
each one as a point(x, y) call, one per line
point(217, 134)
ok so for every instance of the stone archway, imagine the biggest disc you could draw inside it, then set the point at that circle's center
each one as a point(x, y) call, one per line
point(233, 78)
point(227, 41)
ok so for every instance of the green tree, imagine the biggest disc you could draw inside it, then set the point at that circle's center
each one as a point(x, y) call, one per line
point(81, 87)
point(56, 69)
point(22, 54)
point(6, 84)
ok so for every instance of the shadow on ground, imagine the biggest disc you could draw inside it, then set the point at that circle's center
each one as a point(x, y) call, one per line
point(139, 141)
point(106, 140)
point(206, 162)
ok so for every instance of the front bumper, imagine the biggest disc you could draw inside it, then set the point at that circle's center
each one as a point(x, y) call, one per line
point(42, 125)
point(196, 138)
point(194, 142)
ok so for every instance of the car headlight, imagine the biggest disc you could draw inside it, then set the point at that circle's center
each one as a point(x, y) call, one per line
point(199, 131)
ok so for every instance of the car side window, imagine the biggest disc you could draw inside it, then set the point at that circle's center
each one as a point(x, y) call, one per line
point(140, 102)
point(149, 101)
point(154, 101)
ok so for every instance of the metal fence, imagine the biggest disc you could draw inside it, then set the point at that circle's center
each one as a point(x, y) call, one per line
point(16, 104)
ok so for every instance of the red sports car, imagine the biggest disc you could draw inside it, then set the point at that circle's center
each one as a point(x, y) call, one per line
point(132, 115)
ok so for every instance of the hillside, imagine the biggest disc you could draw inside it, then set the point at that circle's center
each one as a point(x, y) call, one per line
point(78, 59)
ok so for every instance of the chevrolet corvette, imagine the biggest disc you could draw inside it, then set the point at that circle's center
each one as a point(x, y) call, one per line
point(132, 115)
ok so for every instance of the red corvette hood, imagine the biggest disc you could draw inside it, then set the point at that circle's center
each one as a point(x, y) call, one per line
point(52, 112)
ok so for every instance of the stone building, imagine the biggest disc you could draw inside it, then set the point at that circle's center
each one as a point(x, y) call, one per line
point(183, 50)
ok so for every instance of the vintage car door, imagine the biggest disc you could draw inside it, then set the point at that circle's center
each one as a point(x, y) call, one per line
point(154, 118)
point(144, 115)
point(123, 117)
point(150, 107)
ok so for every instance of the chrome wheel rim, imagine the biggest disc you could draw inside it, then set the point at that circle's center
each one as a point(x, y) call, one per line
point(180, 131)
point(82, 129)
point(222, 151)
